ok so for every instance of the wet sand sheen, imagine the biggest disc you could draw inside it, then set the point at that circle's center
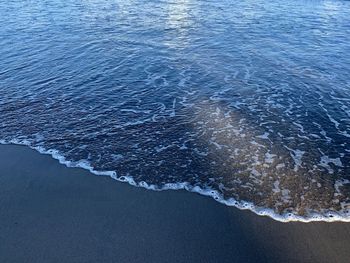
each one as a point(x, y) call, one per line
point(51, 213)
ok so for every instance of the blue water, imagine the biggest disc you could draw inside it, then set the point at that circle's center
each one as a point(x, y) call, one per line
point(246, 101)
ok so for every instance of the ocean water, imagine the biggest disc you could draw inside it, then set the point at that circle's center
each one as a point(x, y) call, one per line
point(244, 101)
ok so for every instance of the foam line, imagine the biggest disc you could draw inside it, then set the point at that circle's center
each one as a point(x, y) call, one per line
point(242, 205)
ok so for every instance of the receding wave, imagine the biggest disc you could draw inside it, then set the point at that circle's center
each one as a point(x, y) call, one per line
point(329, 216)
point(246, 102)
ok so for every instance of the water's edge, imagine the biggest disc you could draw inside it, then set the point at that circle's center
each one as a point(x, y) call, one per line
point(242, 205)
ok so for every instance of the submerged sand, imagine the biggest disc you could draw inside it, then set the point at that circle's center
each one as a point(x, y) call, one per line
point(51, 213)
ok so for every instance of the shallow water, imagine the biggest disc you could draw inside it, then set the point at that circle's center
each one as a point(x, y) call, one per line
point(246, 101)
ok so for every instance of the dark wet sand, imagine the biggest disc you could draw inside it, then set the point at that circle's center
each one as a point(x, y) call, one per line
point(51, 213)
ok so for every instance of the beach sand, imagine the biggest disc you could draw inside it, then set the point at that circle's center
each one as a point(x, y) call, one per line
point(51, 213)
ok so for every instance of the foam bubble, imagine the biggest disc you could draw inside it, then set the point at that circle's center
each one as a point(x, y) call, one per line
point(330, 216)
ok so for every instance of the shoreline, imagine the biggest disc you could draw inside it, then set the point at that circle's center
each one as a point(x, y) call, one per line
point(242, 205)
point(52, 213)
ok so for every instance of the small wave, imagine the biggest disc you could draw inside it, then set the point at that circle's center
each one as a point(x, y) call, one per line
point(242, 205)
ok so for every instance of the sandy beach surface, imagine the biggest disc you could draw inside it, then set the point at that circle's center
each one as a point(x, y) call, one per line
point(51, 213)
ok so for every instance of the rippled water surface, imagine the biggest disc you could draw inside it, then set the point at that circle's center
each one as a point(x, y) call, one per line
point(246, 101)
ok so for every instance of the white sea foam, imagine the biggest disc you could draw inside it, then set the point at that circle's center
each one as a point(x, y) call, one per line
point(269, 157)
point(297, 156)
point(264, 136)
point(343, 216)
point(325, 161)
point(173, 111)
point(276, 187)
